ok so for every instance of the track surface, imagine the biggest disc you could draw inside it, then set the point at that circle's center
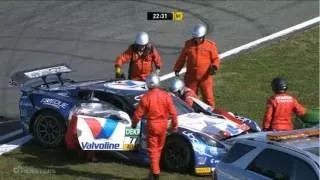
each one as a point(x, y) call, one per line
point(88, 35)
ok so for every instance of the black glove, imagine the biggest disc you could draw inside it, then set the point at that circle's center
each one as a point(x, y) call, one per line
point(122, 76)
point(176, 73)
point(117, 75)
point(213, 70)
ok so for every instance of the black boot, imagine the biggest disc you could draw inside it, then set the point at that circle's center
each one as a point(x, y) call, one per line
point(153, 176)
point(150, 176)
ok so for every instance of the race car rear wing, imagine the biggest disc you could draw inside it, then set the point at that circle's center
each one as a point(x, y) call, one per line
point(21, 77)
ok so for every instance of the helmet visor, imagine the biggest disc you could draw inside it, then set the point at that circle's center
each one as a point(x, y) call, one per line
point(140, 47)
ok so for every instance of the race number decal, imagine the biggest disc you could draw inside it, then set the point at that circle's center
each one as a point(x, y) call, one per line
point(131, 138)
point(130, 143)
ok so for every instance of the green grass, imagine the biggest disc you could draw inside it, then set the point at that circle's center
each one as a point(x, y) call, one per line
point(244, 82)
point(242, 85)
point(40, 163)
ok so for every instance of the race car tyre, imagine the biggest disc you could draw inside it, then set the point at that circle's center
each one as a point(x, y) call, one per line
point(177, 155)
point(49, 129)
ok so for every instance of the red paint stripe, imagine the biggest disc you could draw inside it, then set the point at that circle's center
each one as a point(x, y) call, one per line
point(94, 126)
point(227, 115)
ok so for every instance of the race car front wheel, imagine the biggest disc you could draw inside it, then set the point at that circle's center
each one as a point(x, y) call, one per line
point(177, 155)
point(49, 129)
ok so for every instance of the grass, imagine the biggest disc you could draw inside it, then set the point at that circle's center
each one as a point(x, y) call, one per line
point(242, 85)
point(39, 163)
point(244, 82)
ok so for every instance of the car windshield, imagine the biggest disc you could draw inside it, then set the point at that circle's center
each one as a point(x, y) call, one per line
point(181, 106)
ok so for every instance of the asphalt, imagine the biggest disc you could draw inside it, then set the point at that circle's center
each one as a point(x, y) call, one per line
point(88, 35)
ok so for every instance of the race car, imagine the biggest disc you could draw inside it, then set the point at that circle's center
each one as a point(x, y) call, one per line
point(103, 109)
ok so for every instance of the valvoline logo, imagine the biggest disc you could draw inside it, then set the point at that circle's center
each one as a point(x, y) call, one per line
point(104, 131)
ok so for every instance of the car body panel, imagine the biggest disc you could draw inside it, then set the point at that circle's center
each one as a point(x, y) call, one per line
point(46, 90)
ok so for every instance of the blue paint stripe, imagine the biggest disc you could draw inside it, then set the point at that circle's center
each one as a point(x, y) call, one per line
point(130, 83)
point(108, 128)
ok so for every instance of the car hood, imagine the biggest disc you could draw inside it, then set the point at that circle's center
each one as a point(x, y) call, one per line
point(209, 125)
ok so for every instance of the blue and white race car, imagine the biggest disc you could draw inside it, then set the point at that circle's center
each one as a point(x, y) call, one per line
point(103, 110)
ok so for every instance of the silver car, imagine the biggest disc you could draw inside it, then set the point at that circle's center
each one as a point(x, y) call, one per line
point(272, 155)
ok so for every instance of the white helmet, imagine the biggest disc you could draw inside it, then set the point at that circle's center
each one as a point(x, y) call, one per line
point(153, 81)
point(199, 30)
point(177, 86)
point(142, 38)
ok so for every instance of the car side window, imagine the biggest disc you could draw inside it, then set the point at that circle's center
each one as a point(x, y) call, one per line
point(273, 164)
point(114, 100)
point(237, 151)
point(303, 171)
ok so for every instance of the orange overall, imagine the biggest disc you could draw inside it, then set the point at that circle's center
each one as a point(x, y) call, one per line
point(279, 110)
point(140, 64)
point(157, 105)
point(199, 58)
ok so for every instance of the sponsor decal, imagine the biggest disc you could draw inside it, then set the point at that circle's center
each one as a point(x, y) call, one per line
point(203, 170)
point(54, 102)
point(130, 143)
point(101, 131)
point(214, 150)
point(23, 113)
point(232, 129)
point(194, 115)
point(63, 94)
point(25, 103)
point(132, 132)
point(99, 146)
point(197, 146)
point(138, 98)
point(128, 147)
point(214, 161)
point(201, 160)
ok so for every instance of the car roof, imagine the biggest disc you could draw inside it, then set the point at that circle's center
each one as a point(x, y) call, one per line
point(125, 87)
point(121, 87)
point(307, 145)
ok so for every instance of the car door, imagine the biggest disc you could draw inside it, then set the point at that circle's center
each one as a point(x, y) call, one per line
point(106, 133)
point(111, 132)
point(233, 164)
point(280, 165)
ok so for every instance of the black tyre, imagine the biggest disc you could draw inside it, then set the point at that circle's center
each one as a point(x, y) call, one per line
point(177, 155)
point(49, 129)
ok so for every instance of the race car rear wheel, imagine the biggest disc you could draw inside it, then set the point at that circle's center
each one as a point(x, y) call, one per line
point(49, 129)
point(177, 155)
